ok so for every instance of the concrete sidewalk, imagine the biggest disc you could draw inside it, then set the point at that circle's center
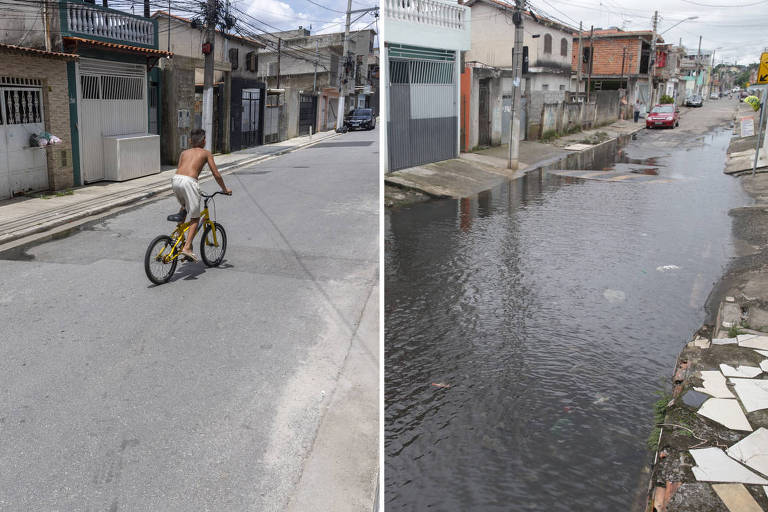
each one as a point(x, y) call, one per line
point(481, 170)
point(24, 216)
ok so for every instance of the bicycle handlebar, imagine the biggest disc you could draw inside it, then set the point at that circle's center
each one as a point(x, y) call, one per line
point(208, 196)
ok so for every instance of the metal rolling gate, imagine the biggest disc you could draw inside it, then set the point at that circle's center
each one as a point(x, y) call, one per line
point(307, 113)
point(423, 106)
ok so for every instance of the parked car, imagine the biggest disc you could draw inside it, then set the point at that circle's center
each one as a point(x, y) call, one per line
point(663, 115)
point(714, 96)
point(360, 118)
point(693, 101)
point(742, 95)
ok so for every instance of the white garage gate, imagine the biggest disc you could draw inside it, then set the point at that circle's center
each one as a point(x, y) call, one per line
point(112, 100)
point(22, 168)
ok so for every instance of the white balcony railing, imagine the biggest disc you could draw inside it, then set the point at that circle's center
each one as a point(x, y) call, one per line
point(95, 21)
point(429, 12)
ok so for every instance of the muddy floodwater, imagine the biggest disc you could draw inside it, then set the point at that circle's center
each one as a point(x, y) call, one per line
point(529, 328)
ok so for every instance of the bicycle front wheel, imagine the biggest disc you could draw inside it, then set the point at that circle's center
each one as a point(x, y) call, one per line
point(212, 251)
point(159, 261)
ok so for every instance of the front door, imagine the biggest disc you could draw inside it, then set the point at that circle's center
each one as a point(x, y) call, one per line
point(484, 117)
point(307, 113)
point(249, 126)
point(22, 168)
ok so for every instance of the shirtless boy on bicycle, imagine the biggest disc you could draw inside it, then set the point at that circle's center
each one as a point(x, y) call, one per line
point(186, 188)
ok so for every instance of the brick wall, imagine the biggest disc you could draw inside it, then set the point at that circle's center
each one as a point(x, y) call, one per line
point(608, 55)
point(53, 73)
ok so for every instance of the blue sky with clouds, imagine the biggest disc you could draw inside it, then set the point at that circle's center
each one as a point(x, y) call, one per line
point(321, 15)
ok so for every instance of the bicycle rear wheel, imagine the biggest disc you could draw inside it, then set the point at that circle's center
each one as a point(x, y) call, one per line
point(159, 260)
point(213, 252)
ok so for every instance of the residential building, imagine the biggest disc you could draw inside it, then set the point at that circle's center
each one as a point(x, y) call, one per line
point(618, 59)
point(110, 89)
point(239, 96)
point(309, 68)
point(695, 71)
point(547, 46)
point(420, 75)
point(34, 98)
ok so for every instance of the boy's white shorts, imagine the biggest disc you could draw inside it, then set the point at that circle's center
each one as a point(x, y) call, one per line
point(187, 192)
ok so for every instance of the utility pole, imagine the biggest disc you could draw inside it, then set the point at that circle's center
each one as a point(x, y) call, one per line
point(591, 58)
point(317, 56)
point(621, 81)
point(517, 63)
point(343, 76)
point(696, 89)
point(169, 26)
point(146, 8)
point(210, 35)
point(579, 62)
point(652, 63)
point(712, 66)
point(279, 47)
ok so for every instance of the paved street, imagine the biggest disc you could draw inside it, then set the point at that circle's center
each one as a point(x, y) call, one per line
point(252, 386)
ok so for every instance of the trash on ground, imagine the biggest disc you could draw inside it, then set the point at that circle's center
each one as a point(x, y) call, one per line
point(441, 385)
point(727, 412)
point(665, 268)
point(713, 465)
point(714, 384)
point(752, 450)
point(753, 341)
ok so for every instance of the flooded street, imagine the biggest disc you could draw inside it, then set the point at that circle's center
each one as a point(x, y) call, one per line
point(529, 328)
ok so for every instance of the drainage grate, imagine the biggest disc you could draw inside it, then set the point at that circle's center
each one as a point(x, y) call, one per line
point(349, 144)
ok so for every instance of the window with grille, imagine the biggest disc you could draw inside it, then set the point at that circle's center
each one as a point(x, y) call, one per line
point(122, 88)
point(23, 106)
point(234, 58)
point(547, 43)
point(421, 72)
point(564, 47)
point(89, 85)
point(251, 62)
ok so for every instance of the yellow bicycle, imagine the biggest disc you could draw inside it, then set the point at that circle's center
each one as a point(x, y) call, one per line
point(163, 252)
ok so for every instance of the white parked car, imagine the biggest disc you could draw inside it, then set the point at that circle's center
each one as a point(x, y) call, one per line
point(714, 96)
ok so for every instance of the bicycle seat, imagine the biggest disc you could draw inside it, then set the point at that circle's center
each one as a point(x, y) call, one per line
point(177, 218)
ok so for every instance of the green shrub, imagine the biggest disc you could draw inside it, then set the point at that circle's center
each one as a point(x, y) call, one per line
point(666, 99)
point(549, 135)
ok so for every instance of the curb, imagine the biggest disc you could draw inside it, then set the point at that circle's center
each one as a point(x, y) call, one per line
point(147, 192)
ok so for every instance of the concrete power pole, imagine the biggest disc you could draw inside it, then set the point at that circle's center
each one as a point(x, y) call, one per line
point(517, 63)
point(317, 56)
point(579, 62)
point(343, 77)
point(210, 35)
point(279, 48)
point(652, 63)
point(591, 58)
point(696, 89)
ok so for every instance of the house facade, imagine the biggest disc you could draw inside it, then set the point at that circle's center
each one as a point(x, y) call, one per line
point(420, 76)
point(619, 60)
point(310, 70)
point(239, 96)
point(109, 86)
point(488, 85)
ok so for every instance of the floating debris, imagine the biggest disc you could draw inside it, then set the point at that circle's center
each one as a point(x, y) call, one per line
point(441, 385)
point(614, 296)
point(665, 268)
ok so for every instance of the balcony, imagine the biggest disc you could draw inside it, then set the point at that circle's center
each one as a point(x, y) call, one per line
point(428, 23)
point(90, 21)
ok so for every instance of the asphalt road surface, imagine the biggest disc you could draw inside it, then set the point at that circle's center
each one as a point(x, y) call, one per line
point(252, 386)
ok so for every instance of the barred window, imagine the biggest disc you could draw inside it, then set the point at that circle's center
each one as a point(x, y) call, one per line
point(564, 47)
point(547, 43)
point(89, 86)
point(421, 72)
point(122, 88)
point(23, 106)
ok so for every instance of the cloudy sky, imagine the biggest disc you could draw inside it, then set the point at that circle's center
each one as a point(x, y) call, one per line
point(735, 29)
point(321, 15)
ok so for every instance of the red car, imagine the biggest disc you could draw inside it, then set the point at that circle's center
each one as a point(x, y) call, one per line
point(663, 115)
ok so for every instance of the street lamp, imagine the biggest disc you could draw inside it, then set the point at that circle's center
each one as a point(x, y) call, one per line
point(679, 22)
